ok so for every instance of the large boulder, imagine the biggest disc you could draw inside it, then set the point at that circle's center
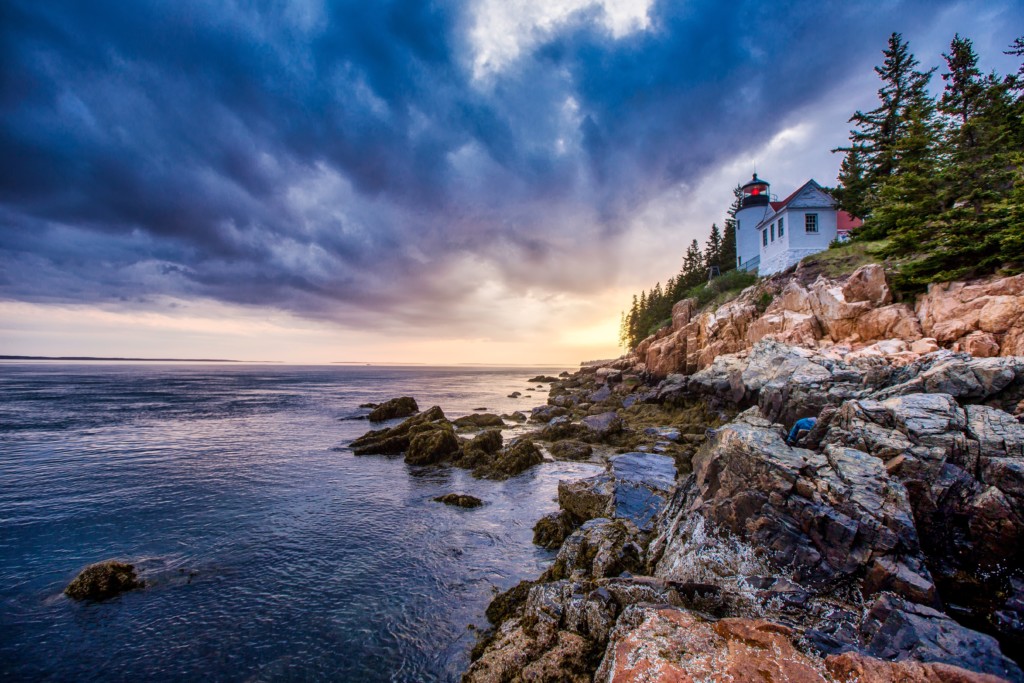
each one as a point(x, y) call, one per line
point(661, 643)
point(896, 629)
point(602, 425)
point(478, 421)
point(403, 406)
point(963, 469)
point(103, 580)
point(571, 450)
point(598, 549)
point(829, 517)
point(396, 439)
point(517, 457)
point(952, 312)
point(432, 446)
point(547, 413)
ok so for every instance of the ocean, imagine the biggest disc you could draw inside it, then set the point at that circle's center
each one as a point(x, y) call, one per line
point(271, 552)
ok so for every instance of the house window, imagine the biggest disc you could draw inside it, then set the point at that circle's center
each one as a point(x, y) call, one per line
point(764, 238)
point(739, 262)
point(781, 231)
point(773, 232)
point(811, 222)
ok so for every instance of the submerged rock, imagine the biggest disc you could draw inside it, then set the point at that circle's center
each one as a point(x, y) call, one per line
point(459, 500)
point(404, 406)
point(103, 580)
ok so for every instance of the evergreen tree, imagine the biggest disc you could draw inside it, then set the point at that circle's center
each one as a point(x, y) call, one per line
point(964, 86)
point(713, 249)
point(854, 187)
point(877, 133)
point(728, 261)
point(909, 198)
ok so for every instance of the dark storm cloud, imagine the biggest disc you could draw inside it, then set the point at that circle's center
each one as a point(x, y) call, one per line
point(329, 158)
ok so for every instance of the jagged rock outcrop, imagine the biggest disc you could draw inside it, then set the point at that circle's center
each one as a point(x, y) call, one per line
point(851, 313)
point(871, 552)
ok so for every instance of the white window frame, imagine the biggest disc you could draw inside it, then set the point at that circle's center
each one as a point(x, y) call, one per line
point(772, 228)
point(781, 232)
point(811, 220)
point(764, 238)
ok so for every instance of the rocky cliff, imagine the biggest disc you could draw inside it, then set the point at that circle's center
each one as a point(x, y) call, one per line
point(852, 314)
point(887, 546)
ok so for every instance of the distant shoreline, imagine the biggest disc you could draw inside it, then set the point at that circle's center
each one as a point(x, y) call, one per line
point(150, 360)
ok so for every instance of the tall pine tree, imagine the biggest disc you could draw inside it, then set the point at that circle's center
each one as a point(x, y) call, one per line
point(872, 153)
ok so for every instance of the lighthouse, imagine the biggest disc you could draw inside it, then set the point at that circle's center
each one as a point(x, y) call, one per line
point(754, 208)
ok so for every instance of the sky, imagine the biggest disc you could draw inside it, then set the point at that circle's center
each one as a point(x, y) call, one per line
point(484, 181)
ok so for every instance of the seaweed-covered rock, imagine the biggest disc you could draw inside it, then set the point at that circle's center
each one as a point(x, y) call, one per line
point(516, 416)
point(396, 439)
point(403, 406)
point(489, 441)
point(517, 457)
point(571, 450)
point(598, 549)
point(459, 500)
point(103, 580)
point(432, 446)
point(542, 378)
point(479, 421)
point(551, 529)
point(547, 413)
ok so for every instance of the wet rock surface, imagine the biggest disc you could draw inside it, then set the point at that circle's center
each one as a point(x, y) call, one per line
point(459, 500)
point(886, 546)
point(103, 580)
point(403, 406)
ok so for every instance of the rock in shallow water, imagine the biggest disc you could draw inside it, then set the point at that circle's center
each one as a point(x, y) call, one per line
point(103, 580)
point(403, 406)
point(460, 500)
point(477, 421)
point(635, 488)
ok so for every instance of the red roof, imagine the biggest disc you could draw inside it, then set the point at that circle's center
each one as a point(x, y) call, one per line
point(846, 222)
point(779, 205)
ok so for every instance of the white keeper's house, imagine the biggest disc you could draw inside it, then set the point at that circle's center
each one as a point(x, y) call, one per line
point(772, 235)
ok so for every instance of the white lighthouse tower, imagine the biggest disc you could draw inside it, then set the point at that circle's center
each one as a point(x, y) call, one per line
point(754, 208)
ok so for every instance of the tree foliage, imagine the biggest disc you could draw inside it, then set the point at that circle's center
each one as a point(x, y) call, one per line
point(942, 180)
point(653, 309)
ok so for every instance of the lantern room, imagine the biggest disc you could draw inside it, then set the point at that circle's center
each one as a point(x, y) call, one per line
point(755, 193)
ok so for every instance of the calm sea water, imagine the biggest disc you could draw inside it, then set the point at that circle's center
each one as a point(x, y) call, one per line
point(273, 553)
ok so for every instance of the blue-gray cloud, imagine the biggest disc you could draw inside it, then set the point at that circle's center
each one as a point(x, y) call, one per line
point(327, 158)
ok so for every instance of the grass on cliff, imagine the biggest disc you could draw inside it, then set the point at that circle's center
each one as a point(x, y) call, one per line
point(844, 258)
point(722, 289)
